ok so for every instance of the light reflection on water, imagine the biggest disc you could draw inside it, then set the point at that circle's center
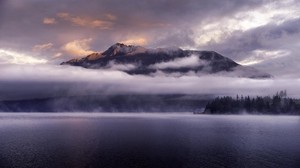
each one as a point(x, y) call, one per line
point(148, 140)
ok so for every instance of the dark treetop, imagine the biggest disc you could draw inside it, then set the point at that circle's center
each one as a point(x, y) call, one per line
point(278, 104)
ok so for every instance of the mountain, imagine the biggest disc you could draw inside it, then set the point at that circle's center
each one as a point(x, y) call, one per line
point(139, 60)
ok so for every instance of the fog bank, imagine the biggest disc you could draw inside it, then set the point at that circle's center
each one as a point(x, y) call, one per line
point(42, 81)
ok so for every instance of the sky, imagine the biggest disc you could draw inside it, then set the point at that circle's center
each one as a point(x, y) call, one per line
point(261, 33)
point(37, 35)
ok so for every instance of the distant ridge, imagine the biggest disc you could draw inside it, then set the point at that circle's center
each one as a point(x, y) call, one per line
point(139, 60)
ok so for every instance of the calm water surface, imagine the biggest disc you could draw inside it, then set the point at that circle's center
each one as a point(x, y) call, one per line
point(148, 140)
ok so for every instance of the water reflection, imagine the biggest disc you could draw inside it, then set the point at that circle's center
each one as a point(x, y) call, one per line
point(148, 140)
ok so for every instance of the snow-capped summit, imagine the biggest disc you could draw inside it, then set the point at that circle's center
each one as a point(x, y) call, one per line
point(123, 49)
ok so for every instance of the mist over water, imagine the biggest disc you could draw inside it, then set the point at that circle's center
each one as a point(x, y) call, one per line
point(148, 140)
point(44, 81)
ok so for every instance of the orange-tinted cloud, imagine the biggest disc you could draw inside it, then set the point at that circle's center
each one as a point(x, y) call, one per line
point(86, 21)
point(135, 41)
point(79, 47)
point(63, 15)
point(57, 55)
point(111, 16)
point(41, 47)
point(49, 21)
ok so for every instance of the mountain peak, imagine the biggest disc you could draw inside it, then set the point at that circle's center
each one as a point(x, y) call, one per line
point(121, 45)
point(123, 49)
point(139, 60)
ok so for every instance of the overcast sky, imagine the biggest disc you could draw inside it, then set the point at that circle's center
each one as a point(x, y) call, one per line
point(261, 33)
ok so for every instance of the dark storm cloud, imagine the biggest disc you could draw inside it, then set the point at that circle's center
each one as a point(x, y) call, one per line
point(183, 37)
point(274, 46)
point(268, 37)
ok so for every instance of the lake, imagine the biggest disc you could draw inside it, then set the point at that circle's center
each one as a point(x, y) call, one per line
point(87, 140)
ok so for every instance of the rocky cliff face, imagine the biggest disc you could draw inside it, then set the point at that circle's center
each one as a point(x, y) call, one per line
point(139, 60)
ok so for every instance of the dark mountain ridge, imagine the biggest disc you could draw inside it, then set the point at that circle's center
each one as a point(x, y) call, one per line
point(139, 60)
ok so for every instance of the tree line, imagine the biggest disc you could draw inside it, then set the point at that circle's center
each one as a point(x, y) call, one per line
point(276, 104)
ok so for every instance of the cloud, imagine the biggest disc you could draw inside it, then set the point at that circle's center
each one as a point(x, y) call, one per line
point(49, 21)
point(79, 47)
point(234, 28)
point(259, 56)
point(186, 62)
point(183, 37)
point(111, 16)
point(120, 67)
point(217, 30)
point(57, 55)
point(287, 66)
point(267, 37)
point(87, 21)
point(135, 41)
point(26, 82)
point(264, 45)
point(64, 15)
point(42, 47)
point(13, 57)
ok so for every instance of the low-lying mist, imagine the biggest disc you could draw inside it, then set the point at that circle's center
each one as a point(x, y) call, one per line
point(42, 81)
